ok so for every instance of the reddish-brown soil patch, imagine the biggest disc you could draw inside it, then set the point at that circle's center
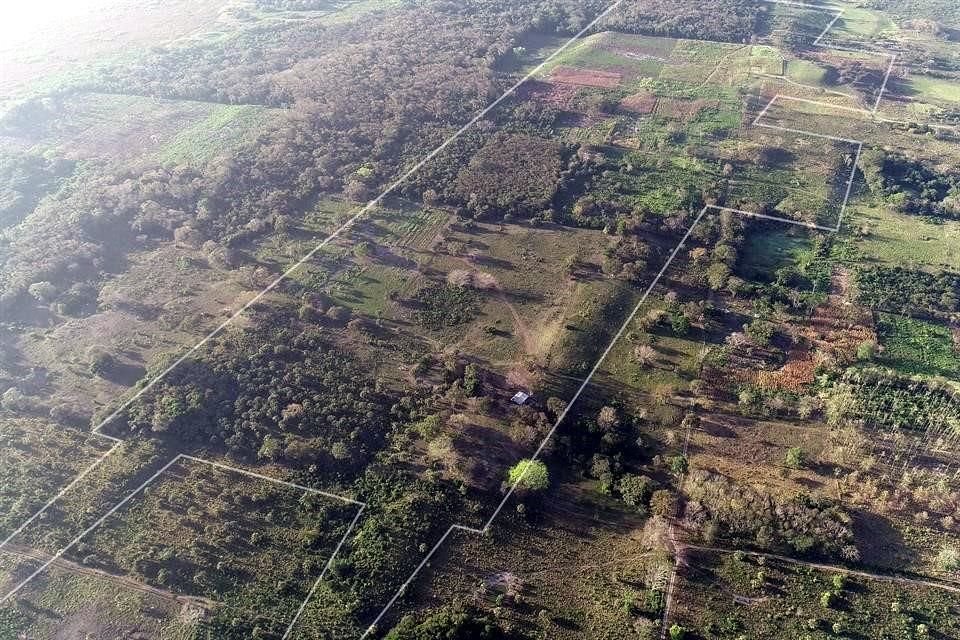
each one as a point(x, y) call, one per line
point(559, 95)
point(586, 77)
point(642, 103)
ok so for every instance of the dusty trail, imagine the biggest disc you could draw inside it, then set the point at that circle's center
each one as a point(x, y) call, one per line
point(28, 553)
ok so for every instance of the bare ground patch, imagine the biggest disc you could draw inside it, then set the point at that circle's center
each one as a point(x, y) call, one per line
point(586, 77)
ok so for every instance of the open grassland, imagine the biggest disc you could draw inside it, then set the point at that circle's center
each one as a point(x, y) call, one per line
point(225, 128)
point(894, 238)
point(90, 498)
point(164, 299)
point(114, 127)
point(918, 347)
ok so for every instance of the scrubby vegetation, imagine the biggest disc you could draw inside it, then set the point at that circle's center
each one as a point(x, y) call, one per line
point(778, 389)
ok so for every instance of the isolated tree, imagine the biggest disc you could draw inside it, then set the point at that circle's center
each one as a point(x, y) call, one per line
point(102, 363)
point(634, 490)
point(866, 350)
point(607, 419)
point(795, 458)
point(43, 291)
point(717, 275)
point(663, 503)
point(270, 449)
point(556, 406)
point(644, 354)
point(678, 465)
point(948, 559)
point(529, 475)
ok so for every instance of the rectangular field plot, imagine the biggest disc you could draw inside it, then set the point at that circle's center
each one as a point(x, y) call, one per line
point(679, 116)
point(792, 175)
point(245, 549)
point(851, 78)
point(821, 116)
point(796, 23)
point(922, 96)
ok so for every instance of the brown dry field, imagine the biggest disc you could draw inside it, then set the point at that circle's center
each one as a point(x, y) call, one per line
point(105, 28)
point(586, 77)
point(641, 103)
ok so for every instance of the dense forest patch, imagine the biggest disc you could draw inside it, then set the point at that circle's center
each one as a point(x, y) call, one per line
point(511, 175)
point(273, 394)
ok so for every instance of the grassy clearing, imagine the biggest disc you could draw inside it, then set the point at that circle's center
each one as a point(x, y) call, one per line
point(937, 90)
point(806, 72)
point(672, 355)
point(917, 347)
point(724, 597)
point(102, 488)
point(770, 249)
point(64, 603)
point(898, 239)
point(566, 573)
point(224, 128)
point(97, 125)
point(860, 23)
point(790, 23)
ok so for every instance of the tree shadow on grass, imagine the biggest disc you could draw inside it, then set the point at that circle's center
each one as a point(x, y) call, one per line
point(880, 543)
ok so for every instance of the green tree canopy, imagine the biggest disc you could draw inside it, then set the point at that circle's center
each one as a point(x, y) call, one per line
point(531, 475)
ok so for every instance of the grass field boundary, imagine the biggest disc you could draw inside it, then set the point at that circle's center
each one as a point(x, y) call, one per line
point(840, 11)
point(61, 493)
point(223, 467)
point(824, 8)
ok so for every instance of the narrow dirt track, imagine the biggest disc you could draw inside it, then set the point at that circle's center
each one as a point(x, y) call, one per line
point(29, 553)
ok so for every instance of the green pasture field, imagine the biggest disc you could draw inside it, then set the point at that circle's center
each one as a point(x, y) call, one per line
point(918, 347)
point(671, 364)
point(226, 127)
point(112, 126)
point(770, 249)
point(892, 238)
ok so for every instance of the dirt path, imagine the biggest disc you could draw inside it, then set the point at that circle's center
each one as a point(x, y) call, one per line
point(679, 550)
point(528, 341)
point(28, 553)
point(719, 64)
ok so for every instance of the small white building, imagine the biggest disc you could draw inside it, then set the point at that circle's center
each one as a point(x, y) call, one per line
point(520, 398)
